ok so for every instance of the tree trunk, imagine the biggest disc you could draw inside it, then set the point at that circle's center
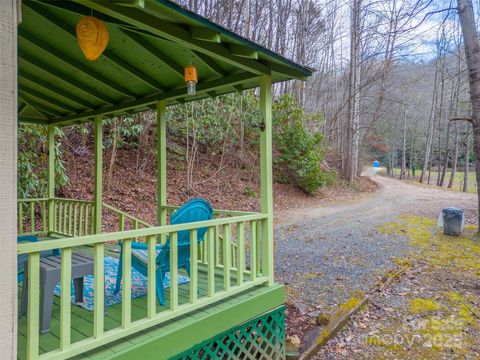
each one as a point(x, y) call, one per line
point(430, 132)
point(472, 52)
point(455, 158)
point(404, 147)
point(353, 131)
point(466, 169)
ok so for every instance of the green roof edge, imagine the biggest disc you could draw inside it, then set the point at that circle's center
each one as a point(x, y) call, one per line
point(213, 26)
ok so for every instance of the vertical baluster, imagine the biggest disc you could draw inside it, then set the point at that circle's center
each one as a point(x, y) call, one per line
point(55, 217)
point(205, 252)
point(126, 283)
point(200, 253)
point(65, 300)
point(259, 246)
point(65, 216)
point(193, 267)
point(240, 252)
point(59, 223)
point(121, 222)
point(151, 278)
point(33, 312)
point(20, 218)
point(75, 215)
point(226, 256)
point(44, 217)
point(32, 216)
point(216, 246)
point(211, 260)
point(173, 271)
point(135, 227)
point(70, 218)
point(253, 250)
point(98, 289)
point(80, 220)
point(87, 216)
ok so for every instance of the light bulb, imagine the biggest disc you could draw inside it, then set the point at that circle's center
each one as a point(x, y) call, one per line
point(191, 87)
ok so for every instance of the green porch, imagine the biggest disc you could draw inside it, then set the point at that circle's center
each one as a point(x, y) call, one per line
point(212, 320)
point(232, 271)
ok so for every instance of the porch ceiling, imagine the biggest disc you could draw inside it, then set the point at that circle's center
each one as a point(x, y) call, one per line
point(151, 41)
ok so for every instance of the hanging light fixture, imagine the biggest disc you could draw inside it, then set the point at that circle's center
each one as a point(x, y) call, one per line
point(191, 79)
point(92, 37)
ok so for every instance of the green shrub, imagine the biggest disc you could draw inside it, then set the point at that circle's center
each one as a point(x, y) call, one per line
point(300, 150)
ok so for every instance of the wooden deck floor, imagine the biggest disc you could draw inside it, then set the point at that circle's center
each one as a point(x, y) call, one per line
point(82, 320)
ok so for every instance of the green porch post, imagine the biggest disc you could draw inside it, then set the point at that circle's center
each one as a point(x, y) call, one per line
point(97, 198)
point(266, 176)
point(51, 177)
point(161, 163)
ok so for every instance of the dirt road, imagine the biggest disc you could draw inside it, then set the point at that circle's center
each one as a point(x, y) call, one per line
point(324, 254)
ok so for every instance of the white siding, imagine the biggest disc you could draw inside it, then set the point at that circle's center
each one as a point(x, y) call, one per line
point(8, 192)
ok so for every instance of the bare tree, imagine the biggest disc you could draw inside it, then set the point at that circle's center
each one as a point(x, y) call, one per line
point(472, 53)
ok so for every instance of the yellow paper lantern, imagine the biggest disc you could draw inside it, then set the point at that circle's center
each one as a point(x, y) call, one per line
point(92, 37)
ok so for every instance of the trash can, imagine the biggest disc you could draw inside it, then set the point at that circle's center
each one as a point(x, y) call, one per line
point(452, 221)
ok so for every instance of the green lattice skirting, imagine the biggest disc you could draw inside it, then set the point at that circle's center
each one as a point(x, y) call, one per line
point(260, 338)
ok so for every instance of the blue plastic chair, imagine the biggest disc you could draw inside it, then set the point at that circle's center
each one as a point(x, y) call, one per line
point(192, 211)
point(24, 257)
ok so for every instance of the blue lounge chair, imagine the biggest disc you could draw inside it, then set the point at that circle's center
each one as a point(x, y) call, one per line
point(192, 211)
point(24, 257)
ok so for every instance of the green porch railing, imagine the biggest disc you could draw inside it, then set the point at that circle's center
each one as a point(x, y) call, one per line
point(73, 217)
point(70, 217)
point(245, 278)
point(32, 215)
point(125, 220)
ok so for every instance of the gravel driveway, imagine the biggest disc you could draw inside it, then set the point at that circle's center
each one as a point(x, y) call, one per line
point(326, 253)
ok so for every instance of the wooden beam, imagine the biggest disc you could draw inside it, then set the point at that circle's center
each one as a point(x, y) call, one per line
point(76, 65)
point(55, 89)
point(205, 34)
point(147, 79)
point(171, 95)
point(107, 53)
point(63, 77)
point(148, 19)
point(131, 3)
point(140, 40)
point(243, 51)
point(238, 88)
point(210, 63)
point(41, 108)
point(21, 108)
point(55, 103)
point(32, 120)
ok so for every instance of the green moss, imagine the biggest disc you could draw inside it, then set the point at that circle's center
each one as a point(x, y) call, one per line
point(349, 304)
point(423, 306)
point(323, 337)
point(465, 313)
point(402, 262)
point(454, 297)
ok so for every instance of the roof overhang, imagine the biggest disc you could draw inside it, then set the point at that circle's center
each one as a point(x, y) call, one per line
point(150, 44)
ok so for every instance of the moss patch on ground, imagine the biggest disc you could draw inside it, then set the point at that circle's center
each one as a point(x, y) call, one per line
point(437, 317)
